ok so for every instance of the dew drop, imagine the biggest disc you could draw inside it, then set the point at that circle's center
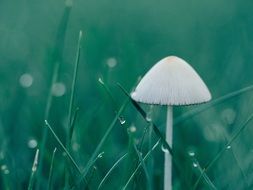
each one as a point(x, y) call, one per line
point(228, 147)
point(100, 155)
point(191, 153)
point(149, 114)
point(100, 80)
point(194, 164)
point(148, 118)
point(164, 149)
point(122, 120)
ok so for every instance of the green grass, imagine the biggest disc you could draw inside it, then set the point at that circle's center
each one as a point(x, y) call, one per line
point(88, 133)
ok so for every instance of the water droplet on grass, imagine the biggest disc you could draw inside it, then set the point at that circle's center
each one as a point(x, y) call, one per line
point(149, 114)
point(100, 80)
point(194, 164)
point(100, 155)
point(122, 120)
point(148, 118)
point(191, 153)
point(164, 149)
point(228, 147)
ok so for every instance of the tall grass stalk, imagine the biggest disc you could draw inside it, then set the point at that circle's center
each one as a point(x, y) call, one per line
point(70, 127)
point(56, 59)
point(73, 89)
point(34, 169)
point(49, 184)
point(46, 116)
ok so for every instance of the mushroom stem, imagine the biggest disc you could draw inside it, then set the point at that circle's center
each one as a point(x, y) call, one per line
point(168, 158)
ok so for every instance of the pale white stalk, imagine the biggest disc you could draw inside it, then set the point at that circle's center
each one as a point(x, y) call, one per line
point(168, 158)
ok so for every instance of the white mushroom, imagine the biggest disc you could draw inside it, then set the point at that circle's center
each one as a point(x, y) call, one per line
point(172, 81)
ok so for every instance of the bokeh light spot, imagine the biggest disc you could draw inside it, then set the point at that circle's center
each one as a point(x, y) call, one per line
point(32, 143)
point(111, 62)
point(26, 80)
point(58, 89)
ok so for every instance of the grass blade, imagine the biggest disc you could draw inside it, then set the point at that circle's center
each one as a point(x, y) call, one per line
point(96, 152)
point(56, 59)
point(34, 169)
point(46, 116)
point(240, 168)
point(131, 141)
point(206, 178)
point(218, 155)
point(110, 170)
point(71, 102)
point(138, 167)
point(73, 123)
point(49, 185)
point(64, 148)
point(206, 106)
point(100, 155)
point(107, 90)
point(73, 88)
point(143, 165)
point(144, 115)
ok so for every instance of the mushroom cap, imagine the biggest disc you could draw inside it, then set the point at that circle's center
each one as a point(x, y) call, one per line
point(172, 81)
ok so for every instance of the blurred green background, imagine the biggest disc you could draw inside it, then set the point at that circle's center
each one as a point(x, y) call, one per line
point(121, 41)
